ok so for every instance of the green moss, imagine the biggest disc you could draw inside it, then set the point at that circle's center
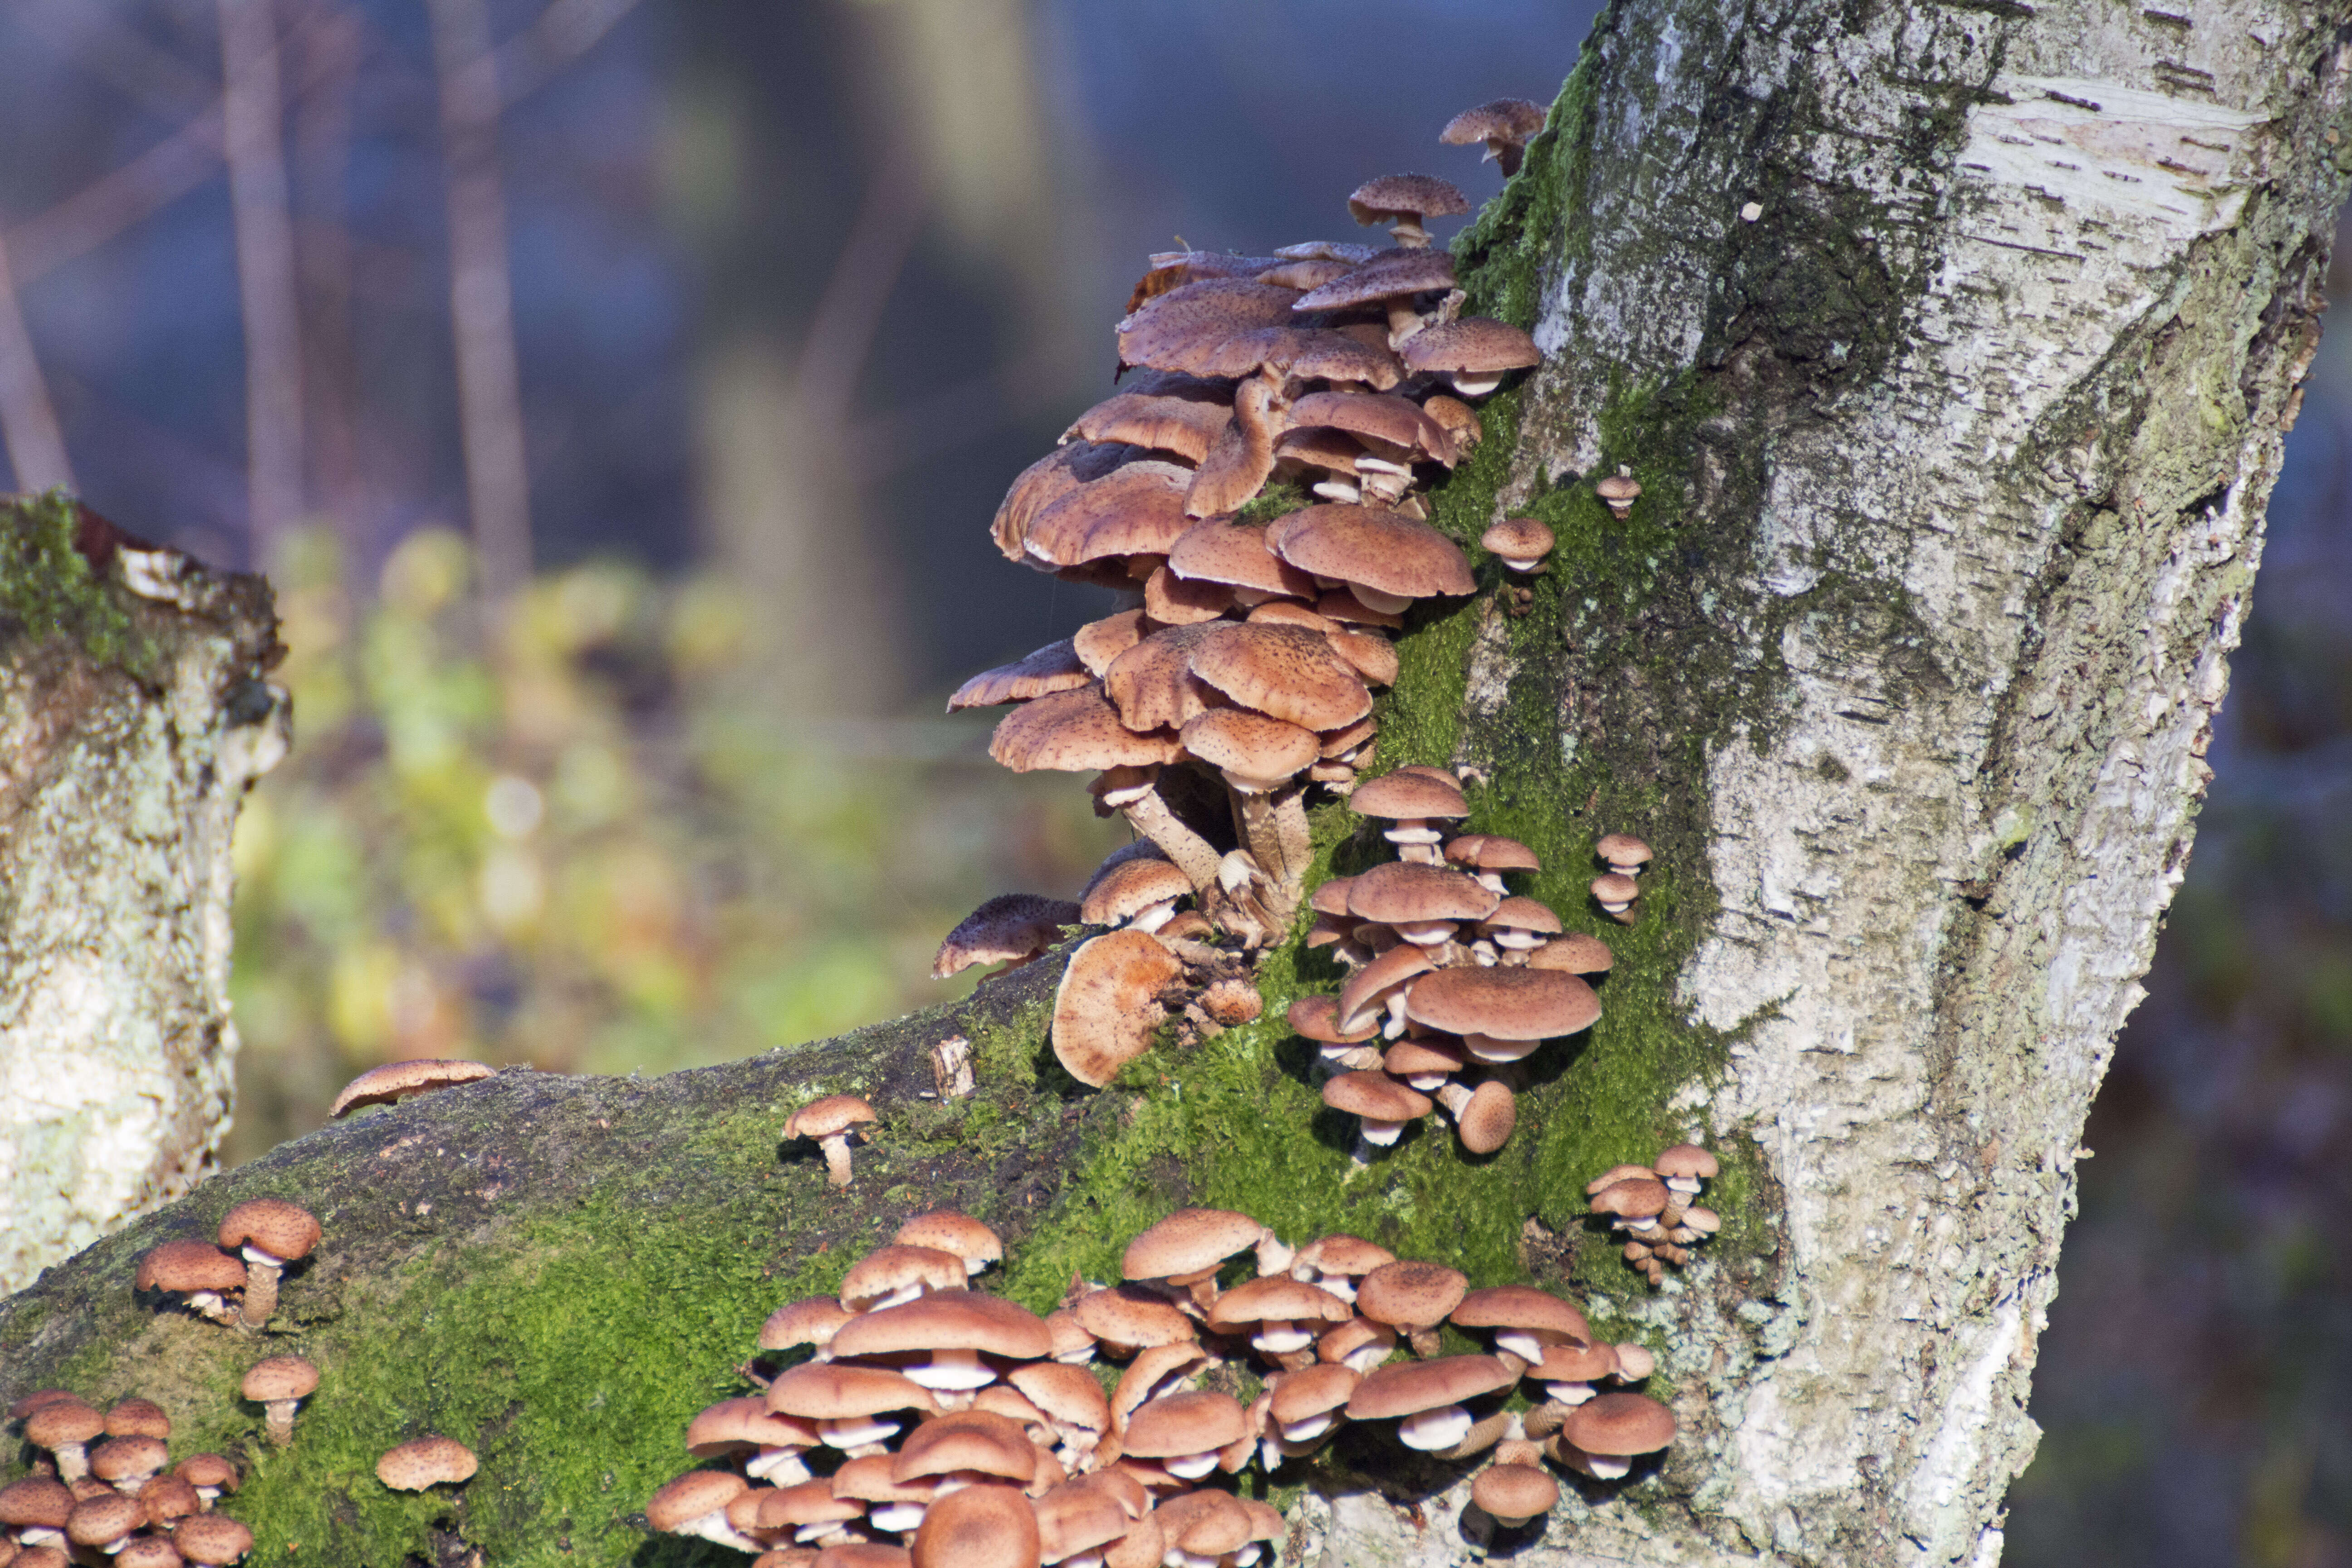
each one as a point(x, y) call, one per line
point(47, 589)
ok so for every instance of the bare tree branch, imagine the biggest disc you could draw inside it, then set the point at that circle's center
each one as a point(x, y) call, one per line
point(36, 447)
point(481, 299)
point(252, 109)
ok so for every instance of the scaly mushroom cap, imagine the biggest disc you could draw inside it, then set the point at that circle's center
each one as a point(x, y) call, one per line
point(1152, 685)
point(828, 1117)
point(1174, 601)
point(1487, 852)
point(690, 1498)
point(1130, 888)
point(1137, 510)
point(37, 1501)
point(812, 1321)
point(137, 1417)
point(1410, 1294)
point(1423, 195)
point(1054, 668)
point(1509, 121)
point(1318, 1018)
point(828, 1391)
point(1307, 353)
point(1635, 1197)
point(1503, 1003)
point(947, 1321)
point(1078, 1516)
point(1010, 927)
point(978, 1527)
point(1387, 275)
point(1513, 1494)
point(1285, 672)
point(1686, 1159)
point(1374, 1095)
point(1432, 1054)
point(1253, 751)
point(208, 1470)
point(1276, 1298)
point(188, 1265)
point(1368, 988)
point(1178, 1423)
point(1068, 1395)
point(1523, 914)
point(1383, 416)
point(1242, 456)
point(1107, 1009)
point(1457, 418)
point(1408, 1388)
point(1406, 892)
point(1187, 1242)
point(1074, 731)
point(431, 1461)
point(1520, 1307)
point(1098, 642)
point(1182, 329)
point(1185, 422)
point(383, 1085)
point(1619, 1425)
point(1475, 351)
point(1311, 1391)
point(1131, 1315)
point(1406, 794)
point(1236, 555)
point(275, 1226)
point(215, 1539)
point(1045, 481)
point(1487, 1122)
point(1518, 539)
point(1372, 547)
point(1327, 250)
point(892, 1267)
point(1575, 954)
point(729, 1426)
point(101, 1521)
point(119, 1459)
point(280, 1377)
point(966, 1440)
point(1622, 851)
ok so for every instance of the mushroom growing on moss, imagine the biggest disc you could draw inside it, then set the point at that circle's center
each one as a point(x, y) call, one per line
point(431, 1461)
point(1107, 1007)
point(832, 1122)
point(278, 1385)
point(198, 1272)
point(394, 1080)
point(272, 1233)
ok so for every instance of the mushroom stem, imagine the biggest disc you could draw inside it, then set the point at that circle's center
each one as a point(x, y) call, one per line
point(1148, 814)
point(837, 1159)
point(261, 1272)
point(1280, 853)
point(277, 1419)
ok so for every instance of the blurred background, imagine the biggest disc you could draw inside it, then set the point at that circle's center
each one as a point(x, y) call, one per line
point(760, 308)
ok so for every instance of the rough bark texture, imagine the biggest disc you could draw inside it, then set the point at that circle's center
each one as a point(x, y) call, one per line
point(133, 716)
point(1952, 348)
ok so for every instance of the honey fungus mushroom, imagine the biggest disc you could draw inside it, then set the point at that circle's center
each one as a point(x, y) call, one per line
point(271, 1233)
point(431, 1461)
point(1010, 929)
point(395, 1080)
point(200, 1273)
point(831, 1121)
point(1505, 125)
point(278, 1385)
point(1107, 1007)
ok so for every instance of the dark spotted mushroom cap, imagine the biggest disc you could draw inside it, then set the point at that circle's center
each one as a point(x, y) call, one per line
point(384, 1085)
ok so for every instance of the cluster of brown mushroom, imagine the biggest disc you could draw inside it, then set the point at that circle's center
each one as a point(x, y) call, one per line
point(1453, 981)
point(1239, 675)
point(234, 1282)
point(1656, 1207)
point(928, 1422)
point(104, 1486)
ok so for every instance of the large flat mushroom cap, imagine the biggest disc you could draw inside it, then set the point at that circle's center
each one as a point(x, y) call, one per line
point(1190, 1423)
point(1382, 415)
point(383, 1085)
point(1187, 1242)
point(1425, 195)
point(1185, 423)
point(1410, 1292)
point(1151, 685)
point(1098, 642)
point(1054, 668)
point(1137, 510)
point(1106, 1010)
point(1277, 1298)
point(1309, 353)
point(978, 1527)
point(828, 1391)
point(1475, 346)
point(947, 1321)
point(1520, 1307)
point(1131, 1315)
point(1408, 1388)
point(1074, 731)
point(1007, 928)
point(1619, 1425)
point(1173, 331)
point(966, 1440)
point(1284, 672)
point(1381, 549)
point(1403, 892)
point(1045, 481)
point(1503, 1003)
point(1387, 275)
point(1235, 554)
point(1253, 751)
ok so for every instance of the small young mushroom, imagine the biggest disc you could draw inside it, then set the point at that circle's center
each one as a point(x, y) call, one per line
point(278, 1385)
point(1623, 853)
point(1621, 490)
point(272, 1232)
point(210, 1474)
point(65, 1427)
point(1505, 126)
point(212, 1539)
point(831, 1121)
point(197, 1271)
point(1615, 893)
point(431, 1461)
point(1513, 1494)
point(1519, 543)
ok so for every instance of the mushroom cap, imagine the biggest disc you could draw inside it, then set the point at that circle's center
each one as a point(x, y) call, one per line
point(167, 1498)
point(1686, 1159)
point(40, 1397)
point(1375, 1096)
point(280, 1377)
point(1156, 1370)
point(431, 1461)
point(1387, 275)
point(275, 1226)
point(1318, 1018)
point(1623, 850)
point(1185, 422)
point(1075, 1517)
point(213, 1539)
point(1432, 1053)
point(208, 1470)
point(808, 1502)
point(812, 1320)
point(1382, 550)
point(1523, 914)
point(104, 1520)
point(947, 1321)
point(1178, 330)
point(1575, 954)
point(1236, 555)
point(1311, 1391)
point(1407, 795)
point(1151, 685)
point(1424, 196)
point(1076, 731)
point(855, 1554)
point(383, 1085)
point(1341, 1253)
point(1327, 250)
point(189, 1265)
point(1490, 1118)
point(1098, 642)
point(1105, 1009)
point(35, 1500)
point(1251, 749)
point(1520, 1307)
point(1132, 887)
point(1242, 456)
point(1409, 1293)
point(1045, 481)
point(894, 1266)
point(1512, 119)
point(1472, 344)
point(867, 1478)
point(1380, 417)
point(1619, 487)
point(1174, 601)
point(1519, 539)
point(1306, 354)
point(1187, 1242)
point(1131, 1315)
point(1635, 1196)
point(1403, 892)
point(1137, 508)
point(62, 1422)
point(1701, 1219)
point(1512, 1493)
point(1576, 1361)
point(136, 1417)
point(828, 1117)
point(1369, 987)
point(1277, 1298)
point(1189, 1423)
point(1205, 1524)
point(828, 1391)
point(1621, 1425)
point(1408, 1388)
point(733, 1425)
point(1284, 672)
point(978, 1527)
point(1068, 1395)
point(948, 1230)
point(966, 1440)
point(1615, 888)
point(1457, 418)
point(1054, 668)
point(1010, 926)
point(1342, 606)
point(132, 1456)
point(1503, 1003)
point(692, 1495)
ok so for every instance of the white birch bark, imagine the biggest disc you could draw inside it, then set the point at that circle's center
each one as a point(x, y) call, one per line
point(1979, 405)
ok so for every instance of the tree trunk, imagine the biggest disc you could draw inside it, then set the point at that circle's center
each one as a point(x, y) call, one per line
point(133, 715)
point(1953, 350)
